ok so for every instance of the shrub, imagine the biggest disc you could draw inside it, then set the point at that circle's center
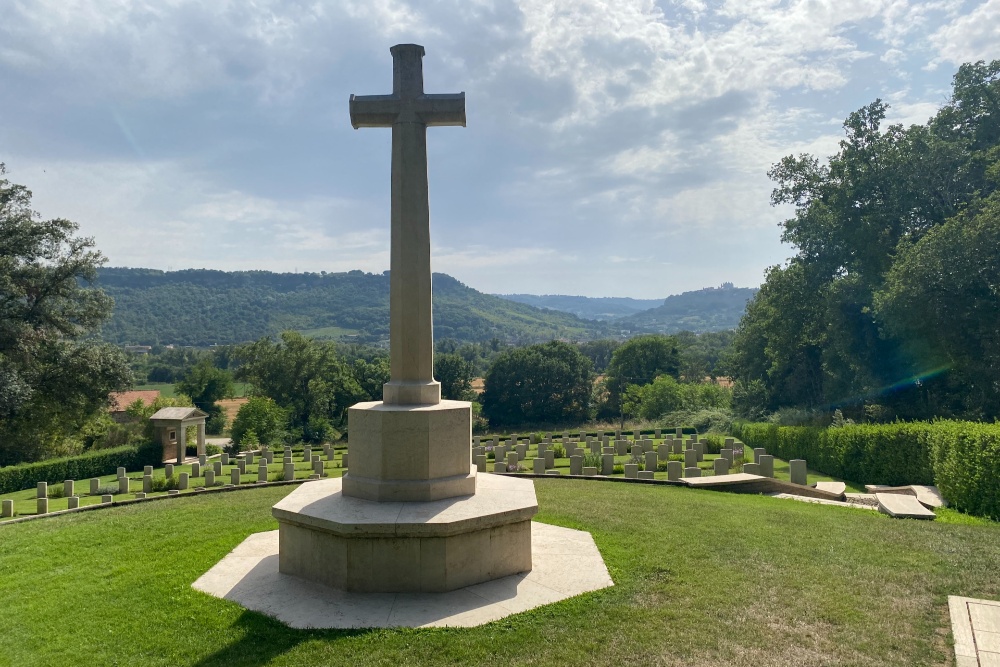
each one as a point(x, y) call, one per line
point(92, 464)
point(263, 417)
point(961, 458)
point(966, 461)
point(592, 460)
point(559, 451)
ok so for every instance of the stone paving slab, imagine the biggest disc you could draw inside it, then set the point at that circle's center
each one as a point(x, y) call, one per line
point(747, 483)
point(975, 626)
point(929, 496)
point(900, 506)
point(831, 487)
point(249, 576)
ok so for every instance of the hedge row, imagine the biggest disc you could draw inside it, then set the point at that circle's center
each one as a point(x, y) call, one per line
point(961, 458)
point(92, 464)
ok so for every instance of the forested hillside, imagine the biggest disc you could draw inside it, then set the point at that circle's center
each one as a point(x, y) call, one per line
point(589, 308)
point(709, 309)
point(204, 307)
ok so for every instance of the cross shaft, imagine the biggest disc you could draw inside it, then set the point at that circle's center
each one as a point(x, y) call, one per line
point(408, 111)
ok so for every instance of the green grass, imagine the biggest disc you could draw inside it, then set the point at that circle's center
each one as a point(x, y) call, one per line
point(329, 333)
point(702, 578)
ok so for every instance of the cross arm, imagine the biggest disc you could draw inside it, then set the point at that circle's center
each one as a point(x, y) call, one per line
point(440, 110)
point(374, 110)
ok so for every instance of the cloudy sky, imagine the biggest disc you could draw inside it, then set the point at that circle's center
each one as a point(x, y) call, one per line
point(613, 147)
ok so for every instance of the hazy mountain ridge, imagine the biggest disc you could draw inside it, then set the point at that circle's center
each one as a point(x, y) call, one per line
point(709, 309)
point(203, 307)
point(585, 307)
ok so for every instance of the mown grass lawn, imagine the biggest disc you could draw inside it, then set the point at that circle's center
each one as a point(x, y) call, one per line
point(702, 578)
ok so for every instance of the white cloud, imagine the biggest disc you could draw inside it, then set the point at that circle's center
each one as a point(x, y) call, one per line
point(971, 37)
point(184, 133)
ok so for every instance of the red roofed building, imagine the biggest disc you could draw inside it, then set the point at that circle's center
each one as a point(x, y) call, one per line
point(120, 400)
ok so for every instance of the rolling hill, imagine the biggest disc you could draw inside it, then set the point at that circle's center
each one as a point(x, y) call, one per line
point(585, 307)
point(203, 307)
point(709, 309)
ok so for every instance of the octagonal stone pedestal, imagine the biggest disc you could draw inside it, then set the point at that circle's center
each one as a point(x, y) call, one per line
point(403, 547)
point(410, 452)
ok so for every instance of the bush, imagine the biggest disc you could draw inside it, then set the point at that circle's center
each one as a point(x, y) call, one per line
point(700, 421)
point(263, 417)
point(966, 461)
point(92, 464)
point(961, 458)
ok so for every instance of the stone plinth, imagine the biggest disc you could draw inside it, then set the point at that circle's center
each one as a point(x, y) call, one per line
point(410, 452)
point(434, 546)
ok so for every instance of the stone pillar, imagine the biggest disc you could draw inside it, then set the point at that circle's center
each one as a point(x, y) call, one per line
point(7, 509)
point(182, 483)
point(122, 485)
point(674, 470)
point(147, 483)
point(73, 502)
point(42, 506)
point(511, 461)
point(289, 471)
point(631, 471)
point(196, 469)
point(550, 459)
point(692, 472)
point(650, 462)
point(480, 462)
point(69, 488)
point(721, 466)
point(95, 485)
point(538, 466)
point(797, 471)
point(726, 454)
point(42, 490)
point(168, 471)
point(223, 459)
point(234, 477)
point(181, 443)
point(576, 465)
point(757, 453)
point(690, 458)
point(607, 464)
point(751, 468)
point(201, 438)
point(209, 478)
point(262, 473)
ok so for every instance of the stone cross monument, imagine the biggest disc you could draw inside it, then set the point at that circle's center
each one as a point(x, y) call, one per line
point(408, 515)
point(408, 111)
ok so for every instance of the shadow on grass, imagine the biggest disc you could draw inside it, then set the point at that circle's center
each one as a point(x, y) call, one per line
point(262, 638)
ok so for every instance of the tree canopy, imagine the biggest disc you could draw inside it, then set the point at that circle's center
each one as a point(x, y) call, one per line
point(546, 383)
point(52, 378)
point(886, 232)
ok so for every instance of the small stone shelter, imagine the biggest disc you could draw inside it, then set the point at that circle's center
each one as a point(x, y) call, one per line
point(170, 428)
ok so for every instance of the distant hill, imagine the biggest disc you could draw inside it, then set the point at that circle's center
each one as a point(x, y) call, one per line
point(203, 307)
point(588, 308)
point(709, 309)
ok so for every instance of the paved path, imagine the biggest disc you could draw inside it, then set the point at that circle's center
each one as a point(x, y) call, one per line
point(975, 624)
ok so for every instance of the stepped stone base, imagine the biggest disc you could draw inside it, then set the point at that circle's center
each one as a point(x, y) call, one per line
point(359, 545)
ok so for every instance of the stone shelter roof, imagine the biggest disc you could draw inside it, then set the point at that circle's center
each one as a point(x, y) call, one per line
point(178, 414)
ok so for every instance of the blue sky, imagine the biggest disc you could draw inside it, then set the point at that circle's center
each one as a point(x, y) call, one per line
point(613, 148)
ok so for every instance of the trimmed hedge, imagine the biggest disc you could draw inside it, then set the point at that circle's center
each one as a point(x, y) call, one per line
point(92, 464)
point(961, 458)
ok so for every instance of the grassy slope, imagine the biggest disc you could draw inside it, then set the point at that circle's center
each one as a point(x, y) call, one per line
point(702, 578)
